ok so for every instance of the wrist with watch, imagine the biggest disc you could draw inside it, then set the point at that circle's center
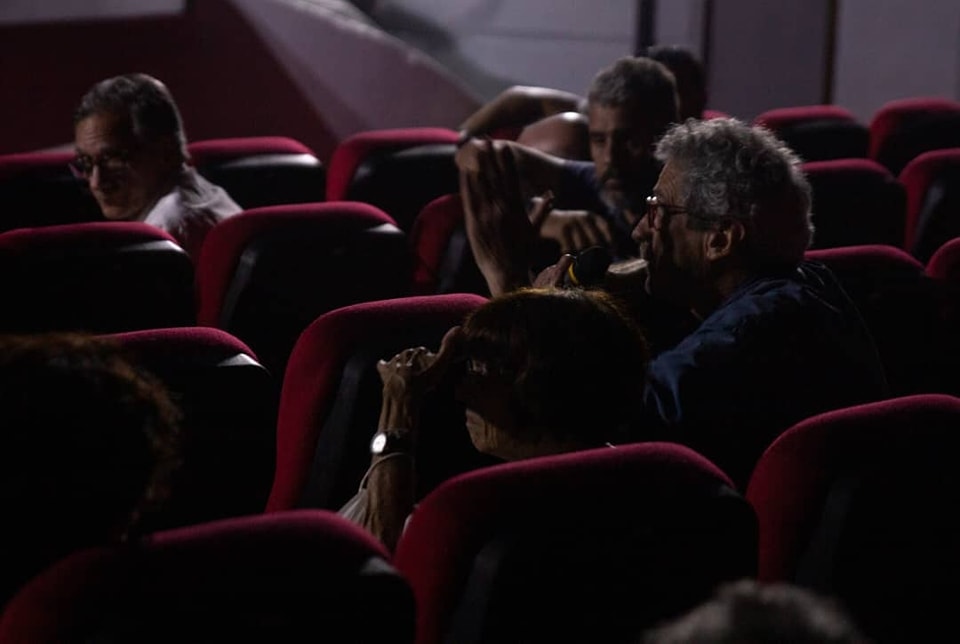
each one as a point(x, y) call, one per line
point(391, 441)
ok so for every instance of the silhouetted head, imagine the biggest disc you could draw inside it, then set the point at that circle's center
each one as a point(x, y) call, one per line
point(555, 367)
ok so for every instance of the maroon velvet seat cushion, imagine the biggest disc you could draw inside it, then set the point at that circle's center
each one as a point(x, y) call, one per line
point(855, 503)
point(855, 201)
point(100, 277)
point(284, 577)
point(261, 170)
point(397, 170)
point(903, 129)
point(266, 273)
point(444, 260)
point(932, 182)
point(818, 132)
point(586, 546)
point(228, 403)
point(38, 189)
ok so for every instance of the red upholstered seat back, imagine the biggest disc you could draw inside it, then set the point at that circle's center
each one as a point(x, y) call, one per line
point(261, 170)
point(100, 277)
point(397, 170)
point(228, 403)
point(855, 201)
point(38, 189)
point(331, 399)
point(855, 503)
point(818, 132)
point(932, 182)
point(285, 577)
point(899, 306)
point(714, 114)
point(586, 546)
point(266, 273)
point(444, 260)
point(945, 263)
point(903, 129)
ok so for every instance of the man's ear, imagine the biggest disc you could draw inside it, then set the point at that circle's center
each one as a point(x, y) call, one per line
point(725, 240)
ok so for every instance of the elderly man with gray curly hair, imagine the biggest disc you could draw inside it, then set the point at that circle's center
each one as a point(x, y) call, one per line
point(722, 235)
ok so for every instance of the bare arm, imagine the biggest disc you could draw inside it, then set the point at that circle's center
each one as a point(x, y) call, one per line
point(391, 482)
point(537, 172)
point(518, 106)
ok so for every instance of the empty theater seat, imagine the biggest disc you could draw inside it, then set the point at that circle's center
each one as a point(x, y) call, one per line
point(38, 189)
point(593, 546)
point(444, 262)
point(903, 129)
point(932, 182)
point(101, 277)
point(945, 262)
point(818, 132)
point(397, 170)
point(855, 201)
point(331, 398)
point(943, 269)
point(228, 404)
point(262, 170)
point(855, 504)
point(286, 577)
point(266, 273)
point(900, 307)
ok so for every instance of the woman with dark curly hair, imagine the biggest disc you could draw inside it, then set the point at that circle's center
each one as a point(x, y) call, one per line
point(541, 371)
point(87, 449)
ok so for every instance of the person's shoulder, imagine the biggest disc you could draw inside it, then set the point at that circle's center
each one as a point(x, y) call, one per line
point(579, 168)
point(200, 197)
point(808, 295)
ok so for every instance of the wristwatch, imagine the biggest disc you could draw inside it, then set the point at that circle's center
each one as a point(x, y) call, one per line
point(389, 441)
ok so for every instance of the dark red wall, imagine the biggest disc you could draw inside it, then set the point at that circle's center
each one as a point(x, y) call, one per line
point(224, 78)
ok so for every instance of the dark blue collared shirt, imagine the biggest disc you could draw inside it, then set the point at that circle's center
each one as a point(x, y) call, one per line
point(780, 349)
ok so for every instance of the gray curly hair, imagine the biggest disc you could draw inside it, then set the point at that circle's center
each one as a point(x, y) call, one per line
point(639, 83)
point(733, 170)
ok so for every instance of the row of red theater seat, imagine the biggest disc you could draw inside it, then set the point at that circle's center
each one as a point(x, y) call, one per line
point(899, 131)
point(265, 274)
point(852, 503)
point(432, 579)
point(400, 171)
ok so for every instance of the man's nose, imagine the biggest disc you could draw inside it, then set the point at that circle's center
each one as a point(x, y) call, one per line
point(642, 230)
point(95, 179)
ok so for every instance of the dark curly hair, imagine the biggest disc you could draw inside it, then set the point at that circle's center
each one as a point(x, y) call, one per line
point(85, 434)
point(575, 360)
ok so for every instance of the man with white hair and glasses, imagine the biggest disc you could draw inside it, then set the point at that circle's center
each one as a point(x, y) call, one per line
point(723, 235)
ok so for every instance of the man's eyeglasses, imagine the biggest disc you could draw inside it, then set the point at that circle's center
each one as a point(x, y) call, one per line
point(109, 163)
point(658, 211)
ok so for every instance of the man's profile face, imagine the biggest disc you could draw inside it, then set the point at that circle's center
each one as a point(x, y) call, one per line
point(670, 246)
point(125, 175)
point(621, 146)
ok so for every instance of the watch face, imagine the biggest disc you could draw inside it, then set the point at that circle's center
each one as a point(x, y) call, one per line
point(379, 442)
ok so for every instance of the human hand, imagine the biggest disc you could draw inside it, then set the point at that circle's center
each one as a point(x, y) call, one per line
point(576, 230)
point(552, 276)
point(499, 229)
point(409, 375)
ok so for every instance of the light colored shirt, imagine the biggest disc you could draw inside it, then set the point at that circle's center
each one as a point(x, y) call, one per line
point(190, 210)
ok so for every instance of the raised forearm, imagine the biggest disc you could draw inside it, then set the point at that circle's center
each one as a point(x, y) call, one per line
point(517, 106)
